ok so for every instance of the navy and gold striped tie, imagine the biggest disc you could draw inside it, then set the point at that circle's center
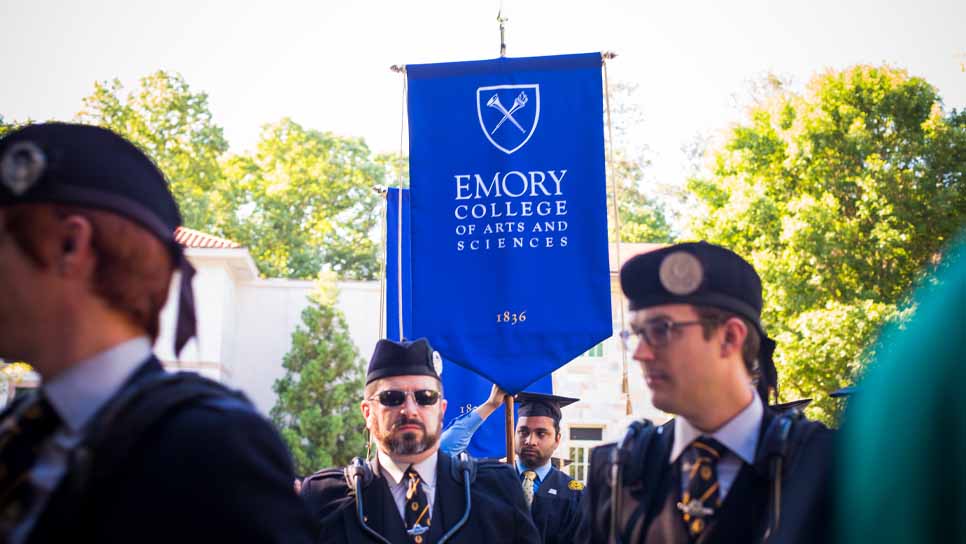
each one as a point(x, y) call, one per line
point(702, 497)
point(21, 435)
point(417, 508)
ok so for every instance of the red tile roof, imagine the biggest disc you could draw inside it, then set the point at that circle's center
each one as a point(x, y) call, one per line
point(191, 238)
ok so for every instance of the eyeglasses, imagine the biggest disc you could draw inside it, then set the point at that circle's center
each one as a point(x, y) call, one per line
point(395, 397)
point(656, 333)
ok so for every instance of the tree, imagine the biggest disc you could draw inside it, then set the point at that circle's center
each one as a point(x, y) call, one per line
point(5, 127)
point(304, 201)
point(174, 126)
point(642, 217)
point(839, 196)
point(317, 410)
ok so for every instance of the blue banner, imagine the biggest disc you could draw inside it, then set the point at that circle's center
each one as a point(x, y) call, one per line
point(510, 276)
point(464, 390)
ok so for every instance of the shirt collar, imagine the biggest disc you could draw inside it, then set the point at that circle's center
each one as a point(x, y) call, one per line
point(739, 435)
point(542, 472)
point(80, 391)
point(425, 468)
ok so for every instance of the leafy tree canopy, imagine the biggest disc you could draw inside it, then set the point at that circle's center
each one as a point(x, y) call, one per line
point(174, 126)
point(839, 196)
point(303, 200)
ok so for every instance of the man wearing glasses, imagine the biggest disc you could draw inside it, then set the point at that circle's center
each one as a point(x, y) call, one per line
point(411, 492)
point(728, 468)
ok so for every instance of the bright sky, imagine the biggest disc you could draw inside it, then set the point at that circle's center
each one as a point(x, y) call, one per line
point(326, 64)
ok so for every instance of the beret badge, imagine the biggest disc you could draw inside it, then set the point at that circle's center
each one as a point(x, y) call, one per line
point(21, 166)
point(681, 273)
point(437, 363)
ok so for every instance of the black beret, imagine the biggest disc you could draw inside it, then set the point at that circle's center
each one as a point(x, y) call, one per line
point(542, 405)
point(86, 166)
point(92, 167)
point(391, 358)
point(700, 274)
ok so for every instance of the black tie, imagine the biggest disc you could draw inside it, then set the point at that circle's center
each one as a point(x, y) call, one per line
point(417, 508)
point(701, 498)
point(21, 434)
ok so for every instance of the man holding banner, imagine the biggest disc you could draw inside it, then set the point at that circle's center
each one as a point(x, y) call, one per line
point(728, 468)
point(412, 492)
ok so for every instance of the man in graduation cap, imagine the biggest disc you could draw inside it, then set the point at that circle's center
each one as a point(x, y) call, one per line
point(112, 448)
point(728, 468)
point(553, 496)
point(411, 492)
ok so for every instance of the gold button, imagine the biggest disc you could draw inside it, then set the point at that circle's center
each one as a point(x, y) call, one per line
point(418, 539)
point(706, 473)
point(415, 506)
point(697, 525)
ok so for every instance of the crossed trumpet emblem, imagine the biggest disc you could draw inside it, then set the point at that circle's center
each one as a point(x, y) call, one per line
point(518, 102)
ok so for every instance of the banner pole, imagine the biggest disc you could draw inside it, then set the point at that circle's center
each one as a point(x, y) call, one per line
point(625, 389)
point(508, 403)
point(400, 69)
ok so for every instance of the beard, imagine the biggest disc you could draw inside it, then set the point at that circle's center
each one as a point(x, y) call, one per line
point(407, 442)
point(532, 457)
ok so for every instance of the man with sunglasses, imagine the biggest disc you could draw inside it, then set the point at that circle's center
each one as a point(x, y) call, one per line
point(411, 492)
point(728, 468)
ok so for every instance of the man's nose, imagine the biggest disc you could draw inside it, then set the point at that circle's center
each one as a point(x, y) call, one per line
point(644, 352)
point(409, 405)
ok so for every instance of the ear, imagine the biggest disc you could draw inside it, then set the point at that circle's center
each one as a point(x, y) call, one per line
point(442, 408)
point(366, 409)
point(734, 332)
point(75, 254)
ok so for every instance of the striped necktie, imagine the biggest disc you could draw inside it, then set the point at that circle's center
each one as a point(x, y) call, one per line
point(21, 435)
point(417, 507)
point(701, 498)
point(528, 477)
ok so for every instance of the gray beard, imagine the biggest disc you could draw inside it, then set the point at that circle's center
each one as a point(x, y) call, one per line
point(407, 443)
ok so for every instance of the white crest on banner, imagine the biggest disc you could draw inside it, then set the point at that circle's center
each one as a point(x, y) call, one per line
point(508, 128)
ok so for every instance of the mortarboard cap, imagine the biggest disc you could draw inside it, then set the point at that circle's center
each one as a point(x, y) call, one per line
point(540, 404)
point(92, 167)
point(391, 358)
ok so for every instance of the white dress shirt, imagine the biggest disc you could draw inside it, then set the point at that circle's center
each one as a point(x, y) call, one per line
point(77, 394)
point(739, 435)
point(396, 479)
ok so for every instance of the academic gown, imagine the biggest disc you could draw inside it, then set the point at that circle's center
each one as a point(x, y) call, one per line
point(556, 508)
point(498, 510)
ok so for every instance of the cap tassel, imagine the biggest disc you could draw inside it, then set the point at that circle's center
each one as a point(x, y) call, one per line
point(187, 325)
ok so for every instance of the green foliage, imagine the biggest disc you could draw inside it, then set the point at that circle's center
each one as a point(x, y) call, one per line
point(5, 127)
point(642, 217)
point(839, 196)
point(302, 201)
point(317, 411)
point(173, 125)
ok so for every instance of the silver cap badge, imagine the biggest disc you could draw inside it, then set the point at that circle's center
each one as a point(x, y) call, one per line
point(437, 363)
point(22, 165)
point(681, 273)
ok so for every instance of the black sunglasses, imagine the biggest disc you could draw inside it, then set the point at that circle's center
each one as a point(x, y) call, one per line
point(395, 397)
